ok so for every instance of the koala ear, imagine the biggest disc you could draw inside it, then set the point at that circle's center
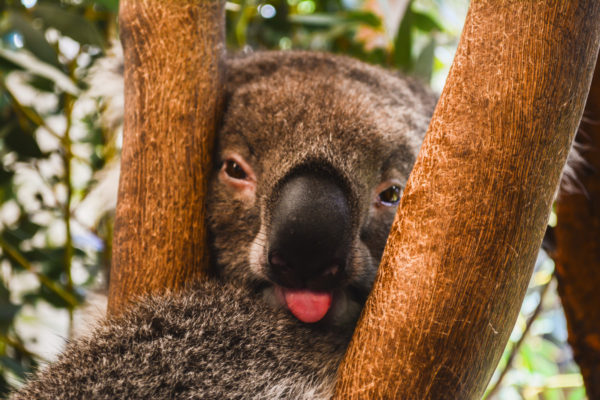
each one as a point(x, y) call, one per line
point(244, 68)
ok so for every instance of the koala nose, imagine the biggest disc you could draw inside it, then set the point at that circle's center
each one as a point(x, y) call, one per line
point(309, 240)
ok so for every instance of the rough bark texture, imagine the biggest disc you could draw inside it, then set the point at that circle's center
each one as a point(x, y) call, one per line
point(463, 246)
point(172, 54)
point(577, 252)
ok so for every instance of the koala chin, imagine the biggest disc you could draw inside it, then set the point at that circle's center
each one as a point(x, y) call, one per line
point(312, 155)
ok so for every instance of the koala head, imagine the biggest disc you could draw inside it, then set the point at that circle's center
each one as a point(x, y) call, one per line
point(311, 160)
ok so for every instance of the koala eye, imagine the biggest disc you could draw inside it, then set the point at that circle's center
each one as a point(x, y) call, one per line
point(237, 175)
point(390, 196)
point(234, 170)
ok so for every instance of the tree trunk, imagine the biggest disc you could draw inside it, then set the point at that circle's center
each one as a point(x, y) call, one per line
point(172, 54)
point(471, 221)
point(577, 254)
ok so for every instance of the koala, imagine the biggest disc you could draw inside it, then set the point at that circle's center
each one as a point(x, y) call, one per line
point(312, 155)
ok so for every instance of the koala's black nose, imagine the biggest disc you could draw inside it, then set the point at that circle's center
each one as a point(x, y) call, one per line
point(309, 239)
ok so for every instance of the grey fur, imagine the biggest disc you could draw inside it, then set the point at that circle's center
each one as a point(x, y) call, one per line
point(231, 338)
point(289, 109)
point(214, 343)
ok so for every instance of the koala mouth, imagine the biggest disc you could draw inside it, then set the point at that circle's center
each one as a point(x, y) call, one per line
point(306, 305)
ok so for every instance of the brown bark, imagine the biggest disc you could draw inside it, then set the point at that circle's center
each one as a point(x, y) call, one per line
point(577, 254)
point(471, 221)
point(172, 51)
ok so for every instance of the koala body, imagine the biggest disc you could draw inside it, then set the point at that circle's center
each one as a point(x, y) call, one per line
point(211, 343)
point(311, 158)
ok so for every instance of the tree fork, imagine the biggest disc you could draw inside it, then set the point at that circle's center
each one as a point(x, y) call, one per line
point(172, 52)
point(577, 253)
point(463, 245)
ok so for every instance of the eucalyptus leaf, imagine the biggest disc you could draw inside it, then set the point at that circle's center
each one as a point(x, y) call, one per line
point(69, 24)
point(23, 143)
point(8, 312)
point(38, 67)
point(424, 63)
point(333, 20)
point(41, 83)
point(5, 175)
point(426, 22)
point(54, 299)
point(48, 254)
point(110, 5)
point(403, 42)
point(4, 293)
point(26, 228)
point(577, 394)
point(315, 19)
point(13, 365)
point(33, 39)
point(364, 17)
point(7, 66)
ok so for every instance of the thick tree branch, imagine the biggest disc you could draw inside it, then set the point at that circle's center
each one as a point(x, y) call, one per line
point(471, 221)
point(517, 346)
point(577, 254)
point(172, 54)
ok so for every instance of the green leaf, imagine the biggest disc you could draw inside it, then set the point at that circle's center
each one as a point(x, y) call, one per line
point(363, 17)
point(334, 20)
point(5, 175)
point(5, 387)
point(13, 365)
point(403, 42)
point(23, 143)
point(426, 22)
point(26, 229)
point(39, 68)
point(424, 63)
point(69, 24)
point(51, 297)
point(8, 312)
point(41, 83)
point(7, 66)
point(51, 255)
point(315, 19)
point(33, 39)
point(537, 356)
point(110, 5)
point(4, 293)
point(577, 394)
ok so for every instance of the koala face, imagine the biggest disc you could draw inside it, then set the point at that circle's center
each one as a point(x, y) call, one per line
point(312, 157)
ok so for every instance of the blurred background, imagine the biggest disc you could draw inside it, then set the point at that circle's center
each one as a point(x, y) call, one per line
point(59, 152)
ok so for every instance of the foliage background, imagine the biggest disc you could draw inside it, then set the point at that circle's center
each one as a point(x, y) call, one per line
point(58, 173)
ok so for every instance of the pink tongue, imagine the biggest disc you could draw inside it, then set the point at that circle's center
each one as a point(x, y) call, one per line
point(307, 306)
